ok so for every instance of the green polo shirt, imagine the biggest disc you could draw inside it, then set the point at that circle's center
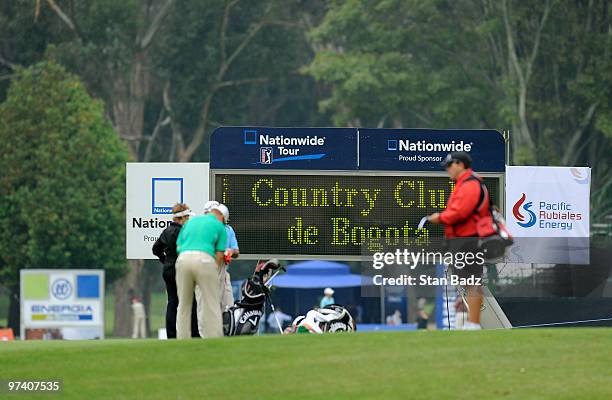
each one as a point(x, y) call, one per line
point(202, 233)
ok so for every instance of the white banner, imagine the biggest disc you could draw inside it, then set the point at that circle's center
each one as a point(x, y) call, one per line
point(151, 191)
point(551, 203)
point(56, 299)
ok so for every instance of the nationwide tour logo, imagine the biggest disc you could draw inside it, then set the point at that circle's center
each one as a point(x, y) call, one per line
point(288, 148)
point(520, 218)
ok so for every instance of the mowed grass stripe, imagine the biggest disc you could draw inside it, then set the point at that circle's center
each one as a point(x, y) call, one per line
point(529, 363)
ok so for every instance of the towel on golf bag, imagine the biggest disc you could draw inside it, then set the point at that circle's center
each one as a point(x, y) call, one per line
point(331, 318)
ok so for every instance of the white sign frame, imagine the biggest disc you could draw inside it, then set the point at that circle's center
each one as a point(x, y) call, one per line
point(151, 191)
point(548, 213)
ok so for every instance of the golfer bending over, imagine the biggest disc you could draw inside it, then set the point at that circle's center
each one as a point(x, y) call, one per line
point(200, 246)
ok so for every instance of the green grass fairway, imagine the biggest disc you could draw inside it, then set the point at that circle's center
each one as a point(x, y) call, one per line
point(519, 364)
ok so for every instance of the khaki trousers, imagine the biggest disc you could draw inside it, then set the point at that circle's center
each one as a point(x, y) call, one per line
point(198, 268)
point(225, 292)
point(227, 295)
point(139, 329)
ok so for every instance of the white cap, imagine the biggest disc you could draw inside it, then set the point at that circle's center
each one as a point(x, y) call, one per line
point(223, 209)
point(328, 291)
point(209, 205)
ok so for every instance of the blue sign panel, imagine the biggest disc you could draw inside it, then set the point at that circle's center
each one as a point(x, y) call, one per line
point(284, 148)
point(424, 149)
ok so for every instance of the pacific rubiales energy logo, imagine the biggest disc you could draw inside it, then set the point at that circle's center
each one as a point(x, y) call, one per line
point(520, 218)
point(555, 215)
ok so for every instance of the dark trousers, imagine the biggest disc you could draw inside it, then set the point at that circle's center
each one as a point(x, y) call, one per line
point(169, 275)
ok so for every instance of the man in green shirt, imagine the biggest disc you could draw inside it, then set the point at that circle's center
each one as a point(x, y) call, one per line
point(200, 246)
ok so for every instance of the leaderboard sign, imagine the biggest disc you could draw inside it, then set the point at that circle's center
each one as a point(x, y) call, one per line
point(325, 215)
point(326, 192)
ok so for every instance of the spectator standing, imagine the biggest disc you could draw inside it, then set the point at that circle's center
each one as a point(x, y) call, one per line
point(328, 298)
point(139, 318)
point(467, 204)
point(165, 249)
point(231, 252)
point(422, 316)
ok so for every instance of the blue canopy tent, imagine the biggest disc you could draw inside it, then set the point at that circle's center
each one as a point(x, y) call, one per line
point(320, 274)
point(300, 289)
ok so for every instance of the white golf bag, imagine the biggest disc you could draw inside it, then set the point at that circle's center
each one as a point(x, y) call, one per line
point(329, 319)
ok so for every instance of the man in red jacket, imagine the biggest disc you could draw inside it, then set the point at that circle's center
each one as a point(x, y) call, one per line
point(460, 218)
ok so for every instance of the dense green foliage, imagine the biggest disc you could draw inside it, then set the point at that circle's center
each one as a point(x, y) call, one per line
point(192, 65)
point(541, 69)
point(63, 177)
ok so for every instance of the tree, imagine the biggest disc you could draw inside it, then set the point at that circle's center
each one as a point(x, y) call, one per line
point(541, 68)
point(232, 62)
point(170, 72)
point(108, 44)
point(63, 179)
point(400, 63)
point(24, 36)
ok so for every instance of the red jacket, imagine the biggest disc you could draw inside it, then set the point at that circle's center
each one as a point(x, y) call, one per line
point(459, 216)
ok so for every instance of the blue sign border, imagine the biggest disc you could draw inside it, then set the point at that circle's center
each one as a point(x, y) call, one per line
point(347, 149)
point(153, 206)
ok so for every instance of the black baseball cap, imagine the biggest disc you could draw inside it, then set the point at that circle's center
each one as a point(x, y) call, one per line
point(458, 156)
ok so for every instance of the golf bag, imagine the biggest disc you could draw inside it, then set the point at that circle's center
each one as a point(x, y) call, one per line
point(329, 319)
point(244, 316)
